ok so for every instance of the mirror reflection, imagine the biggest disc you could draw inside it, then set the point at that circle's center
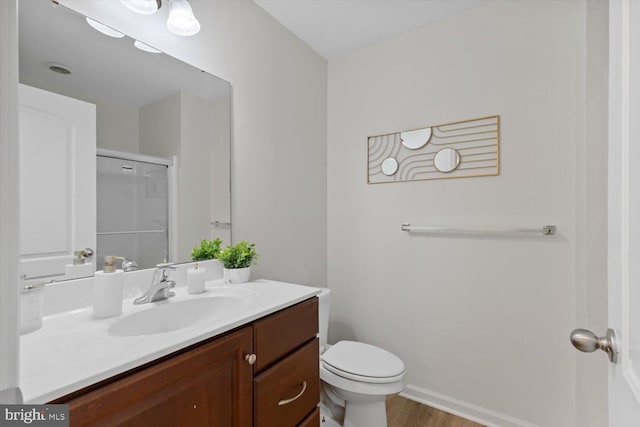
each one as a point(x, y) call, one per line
point(416, 139)
point(446, 160)
point(124, 150)
point(389, 166)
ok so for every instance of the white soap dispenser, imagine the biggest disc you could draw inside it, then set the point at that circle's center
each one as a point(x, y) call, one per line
point(108, 287)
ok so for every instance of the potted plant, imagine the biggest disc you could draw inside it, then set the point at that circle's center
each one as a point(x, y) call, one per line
point(237, 262)
point(208, 249)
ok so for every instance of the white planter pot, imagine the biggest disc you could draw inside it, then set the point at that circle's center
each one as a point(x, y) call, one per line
point(236, 275)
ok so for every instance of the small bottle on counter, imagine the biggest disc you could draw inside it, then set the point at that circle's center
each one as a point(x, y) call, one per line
point(31, 305)
point(195, 280)
point(79, 268)
point(108, 290)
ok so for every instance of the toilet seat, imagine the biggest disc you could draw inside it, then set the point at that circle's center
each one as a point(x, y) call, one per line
point(363, 363)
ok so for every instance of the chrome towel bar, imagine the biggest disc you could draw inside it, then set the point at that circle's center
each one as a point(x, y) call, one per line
point(109, 233)
point(546, 230)
point(220, 224)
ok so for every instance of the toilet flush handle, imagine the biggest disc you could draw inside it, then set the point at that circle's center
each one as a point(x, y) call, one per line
point(287, 401)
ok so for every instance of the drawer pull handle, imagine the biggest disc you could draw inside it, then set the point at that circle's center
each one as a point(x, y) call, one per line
point(250, 358)
point(287, 401)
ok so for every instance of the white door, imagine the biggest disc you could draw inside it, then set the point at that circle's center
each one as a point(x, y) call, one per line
point(57, 180)
point(624, 210)
point(622, 340)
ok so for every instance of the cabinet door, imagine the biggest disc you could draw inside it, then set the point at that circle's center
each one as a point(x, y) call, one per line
point(210, 386)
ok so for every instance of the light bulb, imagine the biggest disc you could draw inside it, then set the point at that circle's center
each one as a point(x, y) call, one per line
point(181, 18)
point(143, 7)
point(104, 29)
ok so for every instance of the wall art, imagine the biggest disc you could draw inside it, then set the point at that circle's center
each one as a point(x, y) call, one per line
point(452, 150)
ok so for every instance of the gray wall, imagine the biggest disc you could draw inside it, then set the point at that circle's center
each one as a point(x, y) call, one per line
point(279, 125)
point(452, 308)
point(482, 323)
point(118, 127)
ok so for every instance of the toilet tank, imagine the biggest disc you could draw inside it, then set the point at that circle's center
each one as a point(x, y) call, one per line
point(324, 302)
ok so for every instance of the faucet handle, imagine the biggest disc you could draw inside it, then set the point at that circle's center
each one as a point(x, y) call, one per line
point(164, 270)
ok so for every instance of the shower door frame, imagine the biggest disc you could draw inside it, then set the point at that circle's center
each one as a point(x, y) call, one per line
point(172, 177)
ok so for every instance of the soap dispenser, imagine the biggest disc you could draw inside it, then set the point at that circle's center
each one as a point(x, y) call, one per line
point(108, 288)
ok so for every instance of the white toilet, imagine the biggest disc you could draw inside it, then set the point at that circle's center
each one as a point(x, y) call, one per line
point(356, 378)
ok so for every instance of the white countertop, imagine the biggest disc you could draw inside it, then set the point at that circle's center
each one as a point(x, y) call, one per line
point(73, 350)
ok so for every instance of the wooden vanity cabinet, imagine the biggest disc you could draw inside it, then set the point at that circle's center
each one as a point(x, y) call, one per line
point(213, 385)
point(313, 420)
point(281, 333)
point(208, 386)
point(286, 388)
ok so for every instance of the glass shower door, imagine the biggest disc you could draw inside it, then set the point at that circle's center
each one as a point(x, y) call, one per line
point(132, 211)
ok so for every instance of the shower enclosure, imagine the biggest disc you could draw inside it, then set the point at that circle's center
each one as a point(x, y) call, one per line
point(132, 208)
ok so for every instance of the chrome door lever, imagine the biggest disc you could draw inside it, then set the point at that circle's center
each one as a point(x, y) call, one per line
point(587, 341)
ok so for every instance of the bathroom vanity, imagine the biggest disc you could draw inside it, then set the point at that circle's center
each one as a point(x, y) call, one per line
point(259, 366)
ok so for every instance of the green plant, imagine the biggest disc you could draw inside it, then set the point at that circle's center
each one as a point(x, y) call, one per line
point(241, 255)
point(207, 250)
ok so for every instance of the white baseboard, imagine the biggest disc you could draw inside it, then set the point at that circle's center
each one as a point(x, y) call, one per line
point(462, 409)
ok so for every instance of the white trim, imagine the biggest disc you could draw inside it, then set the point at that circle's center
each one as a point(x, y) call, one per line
point(624, 387)
point(629, 371)
point(134, 157)
point(624, 187)
point(173, 208)
point(9, 196)
point(462, 409)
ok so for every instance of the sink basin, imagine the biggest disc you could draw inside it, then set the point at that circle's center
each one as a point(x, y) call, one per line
point(171, 315)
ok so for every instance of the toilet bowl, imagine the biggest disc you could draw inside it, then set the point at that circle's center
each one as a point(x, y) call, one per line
point(356, 378)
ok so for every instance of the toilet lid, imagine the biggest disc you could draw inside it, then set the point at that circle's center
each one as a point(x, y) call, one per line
point(363, 362)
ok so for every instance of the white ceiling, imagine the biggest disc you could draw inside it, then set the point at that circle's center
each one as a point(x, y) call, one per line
point(335, 27)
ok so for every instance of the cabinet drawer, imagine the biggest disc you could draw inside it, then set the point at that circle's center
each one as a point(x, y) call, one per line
point(288, 391)
point(312, 420)
point(281, 333)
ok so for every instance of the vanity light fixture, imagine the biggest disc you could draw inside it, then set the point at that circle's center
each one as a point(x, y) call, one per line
point(145, 47)
point(143, 7)
point(181, 20)
point(57, 68)
point(104, 29)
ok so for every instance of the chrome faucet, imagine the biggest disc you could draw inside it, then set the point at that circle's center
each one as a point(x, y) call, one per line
point(129, 264)
point(160, 286)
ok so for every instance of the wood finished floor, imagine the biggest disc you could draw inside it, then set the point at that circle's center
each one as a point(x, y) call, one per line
point(403, 412)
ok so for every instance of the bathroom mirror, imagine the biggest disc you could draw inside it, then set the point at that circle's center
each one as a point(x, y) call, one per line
point(150, 110)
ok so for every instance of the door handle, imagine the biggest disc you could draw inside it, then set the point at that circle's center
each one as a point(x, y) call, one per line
point(587, 341)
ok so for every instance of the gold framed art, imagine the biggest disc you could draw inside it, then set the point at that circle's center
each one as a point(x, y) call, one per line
point(469, 148)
